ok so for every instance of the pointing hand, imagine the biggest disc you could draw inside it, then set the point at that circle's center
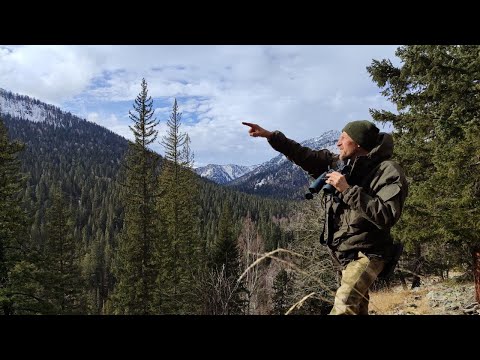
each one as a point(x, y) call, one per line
point(256, 130)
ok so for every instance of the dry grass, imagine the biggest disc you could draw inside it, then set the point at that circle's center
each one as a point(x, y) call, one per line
point(392, 301)
point(384, 302)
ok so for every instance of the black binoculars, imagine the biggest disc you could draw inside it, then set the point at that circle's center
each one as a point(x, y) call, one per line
point(320, 184)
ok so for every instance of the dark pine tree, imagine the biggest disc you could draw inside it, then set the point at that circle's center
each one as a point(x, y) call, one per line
point(180, 255)
point(282, 292)
point(135, 268)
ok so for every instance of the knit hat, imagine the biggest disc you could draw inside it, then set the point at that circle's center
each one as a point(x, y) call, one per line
point(363, 132)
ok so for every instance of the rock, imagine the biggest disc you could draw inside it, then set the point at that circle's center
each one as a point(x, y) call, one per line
point(469, 311)
point(472, 305)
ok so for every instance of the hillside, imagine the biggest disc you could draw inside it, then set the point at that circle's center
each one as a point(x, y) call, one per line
point(454, 296)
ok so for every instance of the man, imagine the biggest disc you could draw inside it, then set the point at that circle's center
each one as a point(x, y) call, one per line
point(358, 217)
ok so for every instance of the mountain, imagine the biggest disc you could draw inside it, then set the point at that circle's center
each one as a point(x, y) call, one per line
point(280, 177)
point(222, 174)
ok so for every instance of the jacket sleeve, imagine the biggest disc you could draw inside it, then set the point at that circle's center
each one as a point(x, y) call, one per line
point(315, 162)
point(383, 208)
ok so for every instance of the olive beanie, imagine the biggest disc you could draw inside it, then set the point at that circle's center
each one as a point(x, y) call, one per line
point(363, 132)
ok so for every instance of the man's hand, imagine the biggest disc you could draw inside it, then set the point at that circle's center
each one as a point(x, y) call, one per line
point(256, 130)
point(338, 181)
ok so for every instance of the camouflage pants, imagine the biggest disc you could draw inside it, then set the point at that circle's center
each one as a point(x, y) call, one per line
point(352, 295)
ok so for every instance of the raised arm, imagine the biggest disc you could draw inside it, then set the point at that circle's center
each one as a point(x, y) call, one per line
point(315, 162)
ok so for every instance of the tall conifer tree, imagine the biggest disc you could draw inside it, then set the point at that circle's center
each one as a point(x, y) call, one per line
point(179, 209)
point(136, 270)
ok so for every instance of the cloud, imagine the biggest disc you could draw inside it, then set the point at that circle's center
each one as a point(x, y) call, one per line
point(50, 73)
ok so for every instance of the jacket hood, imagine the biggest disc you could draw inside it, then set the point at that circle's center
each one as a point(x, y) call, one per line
point(362, 165)
point(383, 150)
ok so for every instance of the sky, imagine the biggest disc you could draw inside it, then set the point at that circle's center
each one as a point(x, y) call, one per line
point(301, 90)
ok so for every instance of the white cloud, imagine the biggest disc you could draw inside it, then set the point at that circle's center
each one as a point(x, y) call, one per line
point(50, 73)
point(300, 90)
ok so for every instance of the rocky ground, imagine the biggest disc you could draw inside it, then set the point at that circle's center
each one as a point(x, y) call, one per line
point(432, 297)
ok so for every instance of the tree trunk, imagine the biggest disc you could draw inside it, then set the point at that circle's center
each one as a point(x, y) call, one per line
point(476, 272)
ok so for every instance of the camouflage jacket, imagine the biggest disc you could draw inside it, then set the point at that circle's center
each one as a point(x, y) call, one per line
point(360, 218)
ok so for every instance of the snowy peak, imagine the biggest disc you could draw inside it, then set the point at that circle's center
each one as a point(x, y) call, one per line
point(222, 174)
point(24, 107)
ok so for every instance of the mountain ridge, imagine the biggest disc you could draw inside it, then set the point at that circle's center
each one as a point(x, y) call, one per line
point(222, 174)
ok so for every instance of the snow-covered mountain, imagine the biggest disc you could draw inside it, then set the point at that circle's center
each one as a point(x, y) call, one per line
point(222, 174)
point(280, 177)
point(26, 108)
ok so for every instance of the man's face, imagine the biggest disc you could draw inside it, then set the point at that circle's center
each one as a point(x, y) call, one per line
point(348, 147)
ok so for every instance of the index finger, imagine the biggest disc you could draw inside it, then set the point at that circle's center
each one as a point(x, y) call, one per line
point(248, 124)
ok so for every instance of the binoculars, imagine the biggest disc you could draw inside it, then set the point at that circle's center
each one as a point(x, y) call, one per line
point(319, 184)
